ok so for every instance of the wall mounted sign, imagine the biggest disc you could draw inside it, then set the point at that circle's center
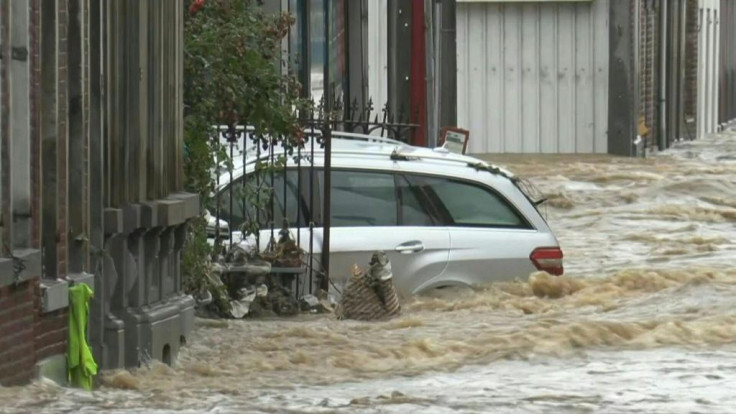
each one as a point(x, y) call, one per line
point(455, 139)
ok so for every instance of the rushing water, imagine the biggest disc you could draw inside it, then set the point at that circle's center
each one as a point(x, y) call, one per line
point(643, 322)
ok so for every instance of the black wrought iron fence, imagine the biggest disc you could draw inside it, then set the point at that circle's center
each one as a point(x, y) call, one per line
point(269, 187)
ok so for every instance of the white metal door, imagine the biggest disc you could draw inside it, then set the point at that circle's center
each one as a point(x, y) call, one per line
point(533, 76)
point(708, 64)
point(378, 52)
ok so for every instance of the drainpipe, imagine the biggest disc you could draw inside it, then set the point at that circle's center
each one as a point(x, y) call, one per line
point(418, 77)
point(662, 135)
point(327, 133)
point(429, 16)
point(638, 144)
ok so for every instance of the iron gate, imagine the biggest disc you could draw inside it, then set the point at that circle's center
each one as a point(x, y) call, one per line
point(262, 194)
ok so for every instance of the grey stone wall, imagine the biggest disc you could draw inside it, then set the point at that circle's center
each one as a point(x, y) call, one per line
point(143, 209)
point(91, 178)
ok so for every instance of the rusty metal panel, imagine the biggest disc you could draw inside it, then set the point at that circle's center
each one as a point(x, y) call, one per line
point(533, 77)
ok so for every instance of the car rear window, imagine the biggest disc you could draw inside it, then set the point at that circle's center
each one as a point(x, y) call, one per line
point(472, 205)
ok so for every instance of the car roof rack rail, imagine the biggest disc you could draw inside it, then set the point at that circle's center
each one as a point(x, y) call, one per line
point(341, 134)
point(479, 165)
point(361, 137)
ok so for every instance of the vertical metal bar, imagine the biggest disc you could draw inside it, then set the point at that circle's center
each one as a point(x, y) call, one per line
point(298, 203)
point(217, 187)
point(311, 200)
point(272, 192)
point(672, 72)
point(231, 139)
point(258, 192)
point(327, 133)
point(299, 192)
point(245, 176)
point(430, 70)
point(636, 16)
point(286, 157)
point(662, 136)
point(681, 68)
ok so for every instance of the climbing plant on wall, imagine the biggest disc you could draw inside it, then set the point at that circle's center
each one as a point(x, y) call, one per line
point(232, 76)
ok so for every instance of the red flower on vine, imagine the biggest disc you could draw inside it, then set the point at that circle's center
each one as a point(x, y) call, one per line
point(196, 5)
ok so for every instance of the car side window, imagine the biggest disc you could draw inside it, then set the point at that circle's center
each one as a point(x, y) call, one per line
point(243, 210)
point(472, 205)
point(361, 199)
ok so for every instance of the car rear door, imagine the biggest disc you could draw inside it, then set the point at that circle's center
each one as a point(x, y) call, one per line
point(490, 240)
point(376, 210)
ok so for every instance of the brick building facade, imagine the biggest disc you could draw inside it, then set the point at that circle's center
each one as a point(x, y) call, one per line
point(673, 82)
point(91, 181)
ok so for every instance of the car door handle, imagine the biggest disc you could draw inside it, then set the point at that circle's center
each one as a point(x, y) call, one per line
point(410, 247)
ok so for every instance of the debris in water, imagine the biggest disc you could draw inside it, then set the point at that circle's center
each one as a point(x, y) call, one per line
point(370, 295)
point(123, 380)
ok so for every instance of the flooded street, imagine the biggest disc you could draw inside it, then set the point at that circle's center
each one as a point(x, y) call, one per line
point(643, 321)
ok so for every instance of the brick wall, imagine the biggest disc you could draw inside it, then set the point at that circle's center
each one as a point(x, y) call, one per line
point(17, 332)
point(51, 332)
point(691, 67)
point(51, 329)
point(648, 65)
point(27, 335)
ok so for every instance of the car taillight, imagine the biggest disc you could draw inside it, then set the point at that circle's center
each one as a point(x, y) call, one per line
point(548, 259)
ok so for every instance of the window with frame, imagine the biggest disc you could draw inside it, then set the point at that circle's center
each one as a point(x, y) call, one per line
point(471, 205)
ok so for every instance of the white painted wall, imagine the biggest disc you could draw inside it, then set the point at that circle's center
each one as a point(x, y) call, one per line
point(708, 65)
point(533, 77)
point(378, 53)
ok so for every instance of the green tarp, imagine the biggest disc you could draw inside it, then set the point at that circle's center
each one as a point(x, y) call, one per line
point(82, 366)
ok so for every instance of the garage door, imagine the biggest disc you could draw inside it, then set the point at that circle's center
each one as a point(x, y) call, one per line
point(533, 76)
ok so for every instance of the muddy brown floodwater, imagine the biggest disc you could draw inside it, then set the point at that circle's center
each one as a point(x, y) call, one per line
point(643, 321)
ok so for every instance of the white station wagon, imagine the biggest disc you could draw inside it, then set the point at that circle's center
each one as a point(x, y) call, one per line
point(443, 219)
